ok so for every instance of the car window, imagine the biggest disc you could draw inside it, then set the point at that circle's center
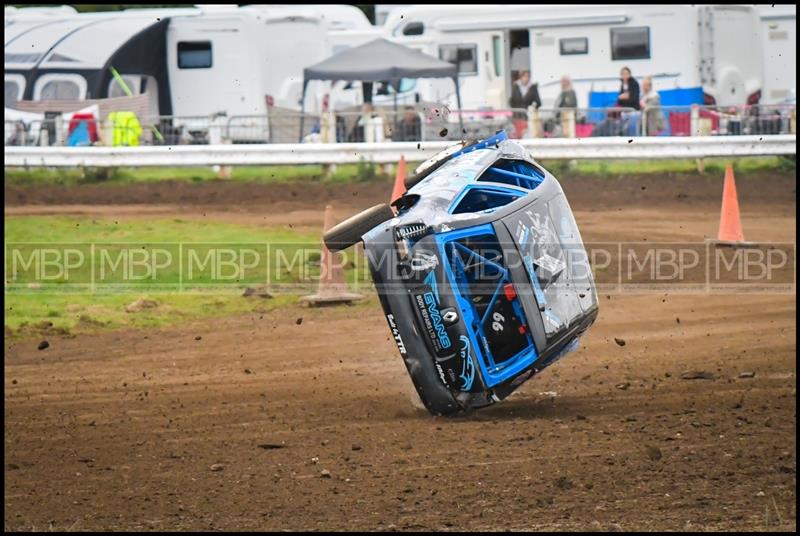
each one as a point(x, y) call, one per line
point(552, 252)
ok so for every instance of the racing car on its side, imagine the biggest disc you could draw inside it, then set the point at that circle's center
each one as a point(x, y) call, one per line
point(482, 273)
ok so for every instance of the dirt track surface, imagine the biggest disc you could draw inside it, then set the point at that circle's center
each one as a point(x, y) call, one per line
point(686, 189)
point(158, 430)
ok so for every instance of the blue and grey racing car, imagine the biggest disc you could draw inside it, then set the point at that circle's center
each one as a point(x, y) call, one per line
point(482, 273)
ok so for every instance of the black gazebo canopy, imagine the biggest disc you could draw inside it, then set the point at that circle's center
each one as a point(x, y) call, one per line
point(380, 60)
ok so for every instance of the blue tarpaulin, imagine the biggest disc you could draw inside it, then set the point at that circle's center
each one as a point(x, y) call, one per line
point(681, 96)
point(600, 99)
point(669, 97)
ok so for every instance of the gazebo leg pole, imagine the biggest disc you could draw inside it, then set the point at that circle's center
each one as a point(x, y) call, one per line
point(461, 132)
point(302, 112)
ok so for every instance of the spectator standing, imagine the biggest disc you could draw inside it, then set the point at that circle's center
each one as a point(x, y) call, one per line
point(651, 106)
point(629, 98)
point(566, 100)
point(629, 90)
point(567, 97)
point(524, 92)
point(358, 133)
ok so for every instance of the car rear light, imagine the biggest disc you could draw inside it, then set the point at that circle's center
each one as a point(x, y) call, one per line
point(754, 98)
point(709, 100)
point(509, 291)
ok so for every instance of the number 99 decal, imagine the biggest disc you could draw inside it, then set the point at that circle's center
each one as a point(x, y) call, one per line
point(497, 325)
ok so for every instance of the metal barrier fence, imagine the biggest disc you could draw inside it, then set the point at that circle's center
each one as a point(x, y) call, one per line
point(383, 125)
point(720, 120)
point(59, 133)
point(607, 147)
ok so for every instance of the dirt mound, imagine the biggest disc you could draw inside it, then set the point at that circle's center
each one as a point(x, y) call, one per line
point(140, 305)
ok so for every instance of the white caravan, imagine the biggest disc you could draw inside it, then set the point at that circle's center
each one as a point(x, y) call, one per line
point(193, 61)
point(779, 41)
point(712, 49)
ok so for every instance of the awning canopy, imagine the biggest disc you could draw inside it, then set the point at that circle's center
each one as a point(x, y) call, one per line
point(380, 60)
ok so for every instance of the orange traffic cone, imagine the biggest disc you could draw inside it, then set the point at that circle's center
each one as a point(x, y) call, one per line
point(399, 181)
point(730, 225)
point(332, 288)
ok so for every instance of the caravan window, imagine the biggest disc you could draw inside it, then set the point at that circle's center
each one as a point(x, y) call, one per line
point(12, 93)
point(14, 86)
point(497, 49)
point(60, 90)
point(194, 54)
point(630, 43)
point(60, 87)
point(573, 45)
point(133, 82)
point(414, 28)
point(465, 56)
point(385, 87)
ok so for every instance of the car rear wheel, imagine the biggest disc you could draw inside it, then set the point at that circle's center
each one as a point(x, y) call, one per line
point(350, 231)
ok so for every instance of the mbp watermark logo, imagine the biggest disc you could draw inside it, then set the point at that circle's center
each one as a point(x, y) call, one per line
point(133, 264)
point(762, 267)
point(700, 267)
point(223, 265)
point(300, 267)
point(680, 267)
point(40, 264)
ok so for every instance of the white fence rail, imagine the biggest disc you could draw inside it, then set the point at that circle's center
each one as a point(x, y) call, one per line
point(383, 153)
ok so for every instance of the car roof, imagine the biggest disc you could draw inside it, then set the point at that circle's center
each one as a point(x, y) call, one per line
point(432, 199)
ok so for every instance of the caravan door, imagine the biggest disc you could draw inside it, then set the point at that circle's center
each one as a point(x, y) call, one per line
point(737, 54)
point(481, 67)
point(498, 75)
point(212, 67)
point(779, 39)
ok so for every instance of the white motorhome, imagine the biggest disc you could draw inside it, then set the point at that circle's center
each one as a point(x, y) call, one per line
point(193, 61)
point(779, 42)
point(714, 50)
point(382, 12)
point(13, 13)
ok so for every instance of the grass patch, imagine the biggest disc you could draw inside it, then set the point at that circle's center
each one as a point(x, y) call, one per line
point(365, 172)
point(55, 229)
point(712, 166)
point(361, 172)
point(73, 275)
point(27, 315)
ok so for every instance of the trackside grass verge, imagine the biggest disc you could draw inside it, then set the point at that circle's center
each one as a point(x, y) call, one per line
point(70, 275)
point(368, 172)
point(259, 174)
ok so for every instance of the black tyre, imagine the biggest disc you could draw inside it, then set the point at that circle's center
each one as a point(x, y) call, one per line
point(350, 231)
